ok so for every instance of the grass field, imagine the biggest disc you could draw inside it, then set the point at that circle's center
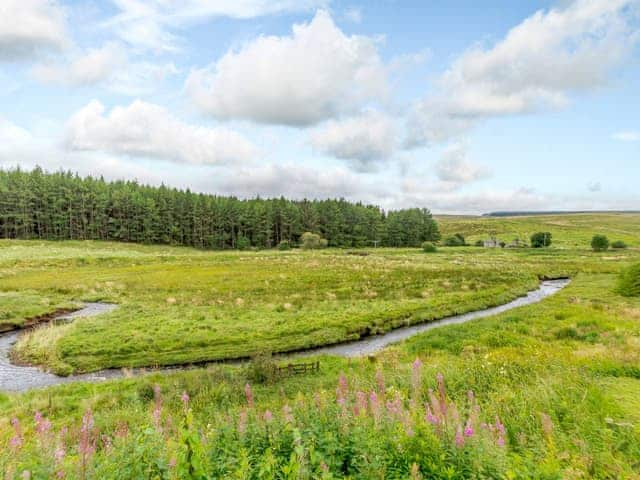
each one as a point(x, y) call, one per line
point(569, 231)
point(556, 383)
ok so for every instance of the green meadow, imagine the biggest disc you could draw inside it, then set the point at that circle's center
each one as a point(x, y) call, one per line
point(555, 385)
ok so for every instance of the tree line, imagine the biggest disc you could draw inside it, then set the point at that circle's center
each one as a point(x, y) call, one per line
point(64, 206)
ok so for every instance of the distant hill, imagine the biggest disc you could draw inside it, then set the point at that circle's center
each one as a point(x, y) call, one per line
point(554, 212)
point(568, 229)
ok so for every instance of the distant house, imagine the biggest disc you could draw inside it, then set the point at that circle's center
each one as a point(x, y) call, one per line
point(492, 243)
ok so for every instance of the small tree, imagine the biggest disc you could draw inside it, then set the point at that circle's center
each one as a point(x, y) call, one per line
point(429, 247)
point(284, 245)
point(242, 243)
point(618, 244)
point(541, 239)
point(312, 241)
point(599, 243)
point(456, 240)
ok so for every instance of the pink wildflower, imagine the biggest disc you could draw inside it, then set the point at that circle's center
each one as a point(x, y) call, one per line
point(468, 430)
point(287, 413)
point(374, 405)
point(268, 416)
point(342, 390)
point(459, 438)
point(185, 399)
point(157, 407)
point(242, 422)
point(360, 407)
point(380, 383)
point(430, 417)
point(248, 393)
point(17, 440)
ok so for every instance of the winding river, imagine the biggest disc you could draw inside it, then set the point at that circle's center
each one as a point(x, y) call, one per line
point(22, 378)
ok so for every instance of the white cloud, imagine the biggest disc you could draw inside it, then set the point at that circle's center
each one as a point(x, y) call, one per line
point(109, 66)
point(627, 136)
point(149, 24)
point(537, 65)
point(94, 66)
point(454, 168)
point(30, 26)
point(362, 140)
point(297, 182)
point(148, 130)
point(316, 73)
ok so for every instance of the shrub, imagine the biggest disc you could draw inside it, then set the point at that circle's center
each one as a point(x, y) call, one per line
point(599, 243)
point(262, 369)
point(243, 243)
point(456, 240)
point(479, 243)
point(312, 241)
point(541, 239)
point(629, 282)
point(618, 244)
point(284, 245)
point(429, 247)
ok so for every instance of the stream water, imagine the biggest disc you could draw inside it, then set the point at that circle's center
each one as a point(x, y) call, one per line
point(22, 378)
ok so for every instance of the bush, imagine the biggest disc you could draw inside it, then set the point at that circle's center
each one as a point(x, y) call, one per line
point(618, 244)
point(311, 241)
point(479, 243)
point(599, 243)
point(541, 239)
point(629, 282)
point(262, 369)
point(456, 240)
point(243, 243)
point(429, 247)
point(284, 245)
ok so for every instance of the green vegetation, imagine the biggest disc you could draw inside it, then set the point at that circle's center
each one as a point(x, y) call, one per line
point(312, 241)
point(569, 231)
point(429, 247)
point(599, 243)
point(63, 206)
point(629, 281)
point(541, 239)
point(556, 384)
point(618, 244)
point(181, 306)
point(456, 240)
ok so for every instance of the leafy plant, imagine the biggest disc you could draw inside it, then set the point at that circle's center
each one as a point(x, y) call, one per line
point(599, 243)
point(629, 281)
point(541, 239)
point(429, 247)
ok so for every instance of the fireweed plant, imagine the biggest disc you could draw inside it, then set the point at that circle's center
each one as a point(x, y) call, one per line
point(386, 432)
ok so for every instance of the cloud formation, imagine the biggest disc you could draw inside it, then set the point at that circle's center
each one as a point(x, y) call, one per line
point(28, 27)
point(148, 130)
point(536, 66)
point(150, 24)
point(92, 67)
point(361, 140)
point(315, 74)
point(109, 66)
point(454, 168)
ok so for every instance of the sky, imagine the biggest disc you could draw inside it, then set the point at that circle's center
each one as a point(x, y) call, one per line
point(459, 106)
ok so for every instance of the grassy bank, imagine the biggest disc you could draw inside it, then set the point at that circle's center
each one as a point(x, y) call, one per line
point(560, 376)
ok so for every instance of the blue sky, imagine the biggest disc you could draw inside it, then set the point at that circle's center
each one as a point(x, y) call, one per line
point(459, 106)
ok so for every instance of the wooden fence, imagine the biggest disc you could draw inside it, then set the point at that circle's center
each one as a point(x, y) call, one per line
point(298, 368)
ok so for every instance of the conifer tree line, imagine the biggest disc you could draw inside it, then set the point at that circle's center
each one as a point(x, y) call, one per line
point(64, 206)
